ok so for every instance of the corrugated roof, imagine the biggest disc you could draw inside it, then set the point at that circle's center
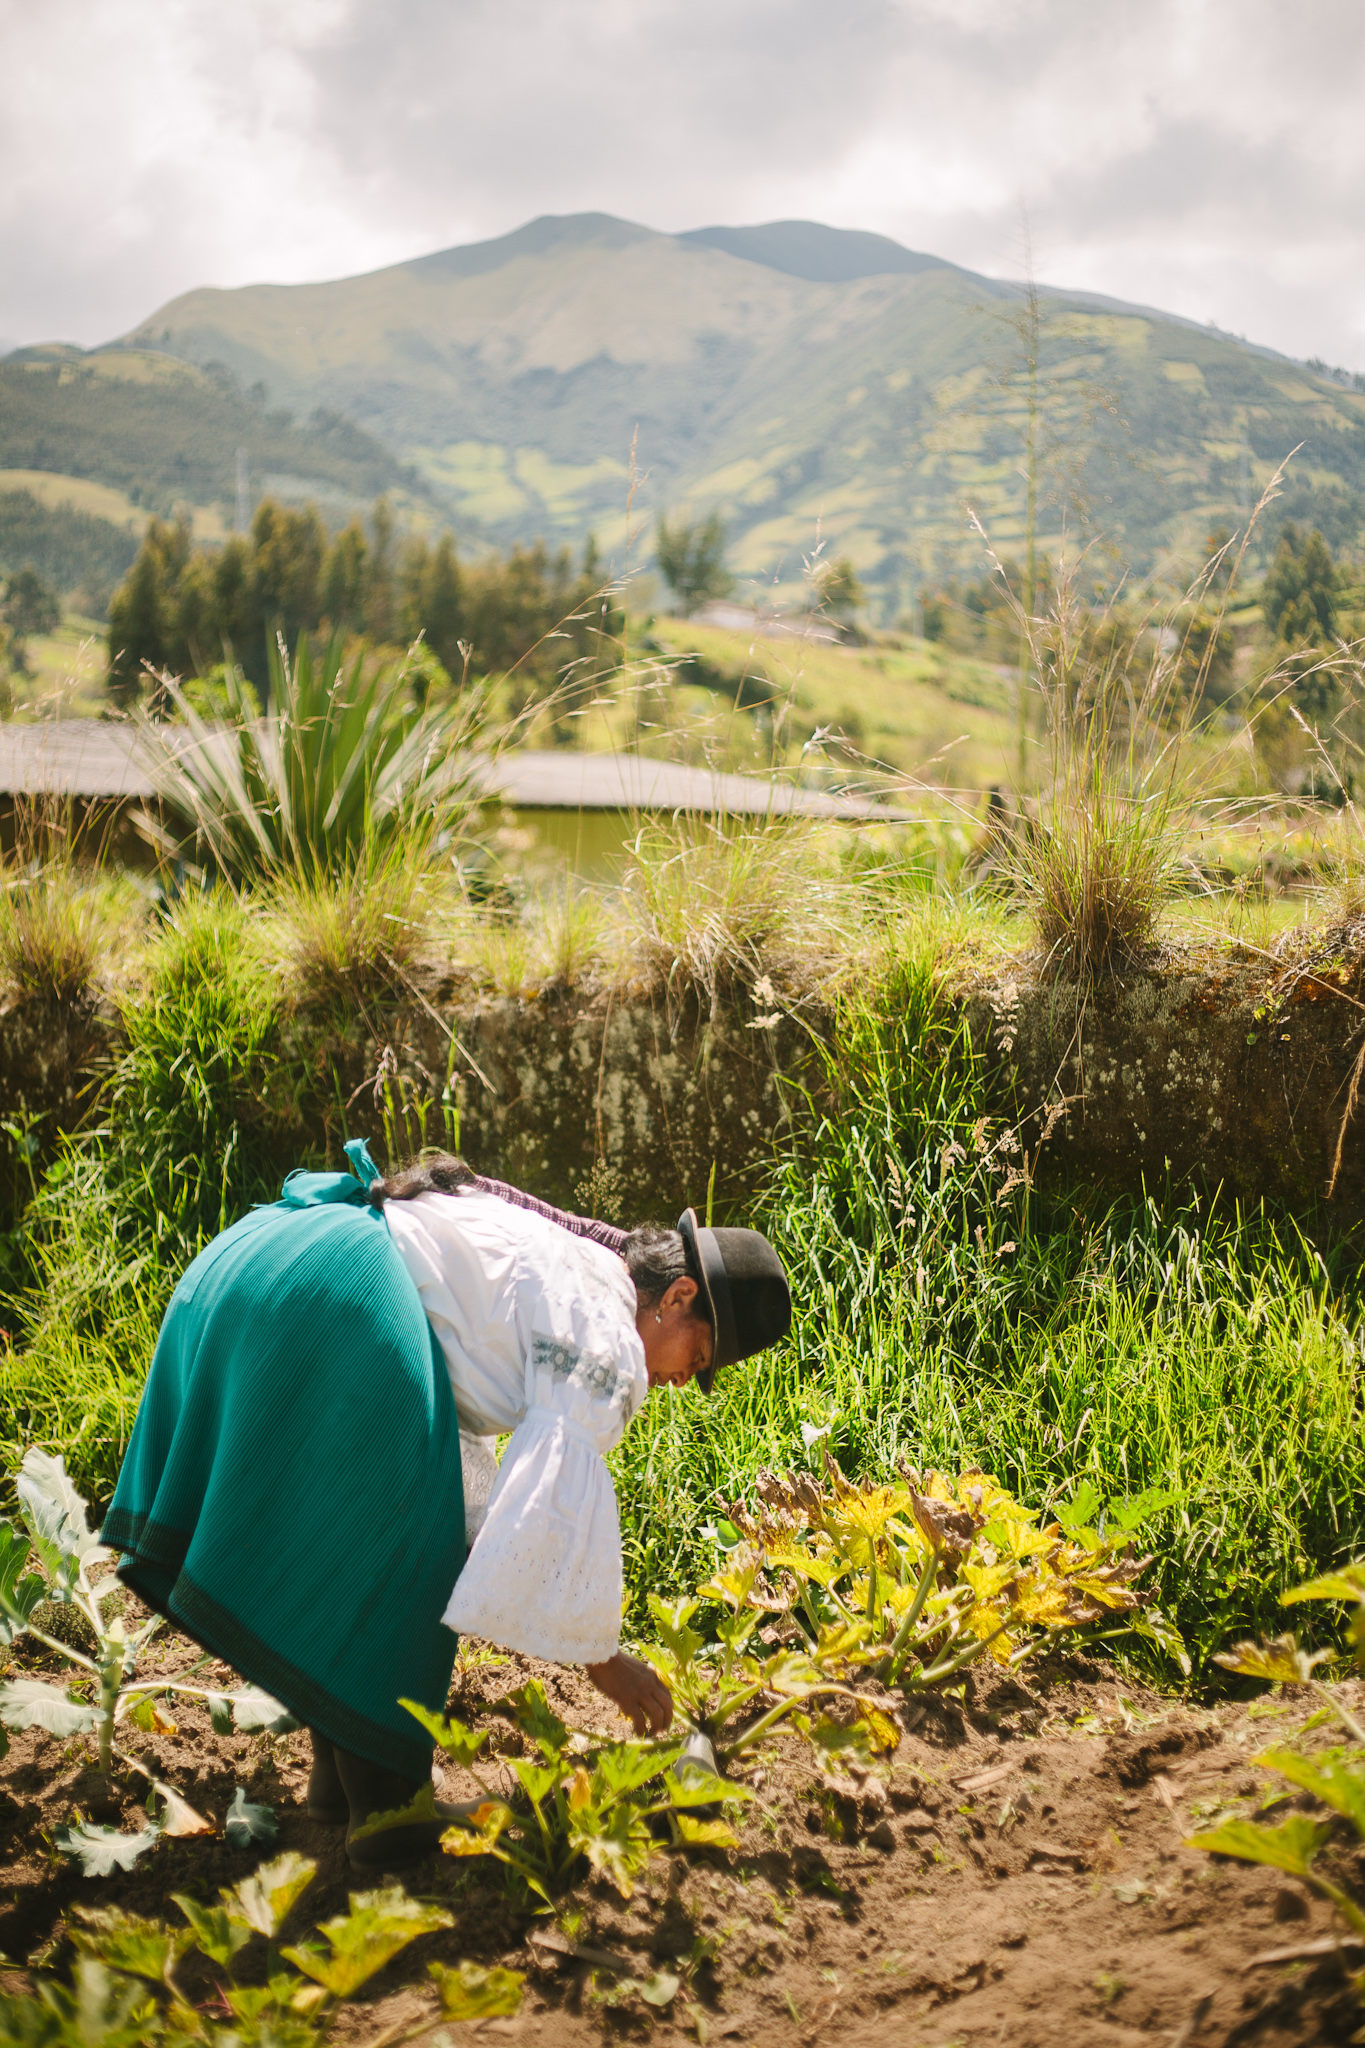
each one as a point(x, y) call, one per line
point(88, 757)
point(555, 781)
point(73, 757)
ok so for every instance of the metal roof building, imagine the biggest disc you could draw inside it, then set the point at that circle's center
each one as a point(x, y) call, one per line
point(95, 761)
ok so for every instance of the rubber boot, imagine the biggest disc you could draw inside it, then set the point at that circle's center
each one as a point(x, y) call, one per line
point(327, 1800)
point(370, 1790)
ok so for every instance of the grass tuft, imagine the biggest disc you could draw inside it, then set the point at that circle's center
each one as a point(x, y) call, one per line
point(352, 936)
point(711, 905)
point(60, 926)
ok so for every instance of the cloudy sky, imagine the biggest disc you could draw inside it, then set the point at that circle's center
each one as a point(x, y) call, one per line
point(1205, 156)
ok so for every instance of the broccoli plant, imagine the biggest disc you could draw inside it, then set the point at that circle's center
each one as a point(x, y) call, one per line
point(106, 1691)
point(583, 1800)
point(126, 1993)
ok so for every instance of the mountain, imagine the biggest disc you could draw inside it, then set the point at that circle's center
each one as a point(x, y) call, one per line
point(93, 443)
point(795, 374)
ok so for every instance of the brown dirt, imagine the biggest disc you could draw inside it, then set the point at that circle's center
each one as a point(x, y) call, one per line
point(1013, 1875)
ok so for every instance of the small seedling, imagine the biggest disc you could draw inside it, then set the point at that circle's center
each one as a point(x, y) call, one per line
point(585, 1801)
point(126, 1987)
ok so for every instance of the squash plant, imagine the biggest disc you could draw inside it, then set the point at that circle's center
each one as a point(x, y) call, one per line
point(583, 1800)
point(126, 1992)
point(908, 1582)
point(1334, 1776)
point(56, 1537)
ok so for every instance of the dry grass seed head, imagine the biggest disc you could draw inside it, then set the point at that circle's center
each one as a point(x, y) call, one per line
point(357, 935)
point(711, 904)
point(61, 926)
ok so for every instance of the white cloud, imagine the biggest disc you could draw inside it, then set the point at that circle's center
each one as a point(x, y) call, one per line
point(1204, 155)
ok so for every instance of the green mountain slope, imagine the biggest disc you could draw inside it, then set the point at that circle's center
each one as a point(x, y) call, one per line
point(800, 376)
point(165, 433)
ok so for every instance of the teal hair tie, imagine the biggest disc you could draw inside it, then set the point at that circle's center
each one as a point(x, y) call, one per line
point(362, 1166)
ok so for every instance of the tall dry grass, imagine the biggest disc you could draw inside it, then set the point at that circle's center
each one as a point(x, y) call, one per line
point(1098, 854)
point(68, 923)
point(710, 904)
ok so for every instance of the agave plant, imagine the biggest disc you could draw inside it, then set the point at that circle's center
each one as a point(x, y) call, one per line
point(337, 766)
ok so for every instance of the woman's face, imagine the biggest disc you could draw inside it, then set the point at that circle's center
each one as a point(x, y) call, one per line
point(678, 1342)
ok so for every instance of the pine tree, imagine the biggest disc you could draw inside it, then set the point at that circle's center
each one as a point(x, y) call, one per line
point(137, 624)
point(343, 583)
point(381, 607)
point(692, 559)
point(1300, 595)
point(443, 606)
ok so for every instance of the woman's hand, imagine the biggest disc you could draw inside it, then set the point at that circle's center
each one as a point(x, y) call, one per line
point(640, 1694)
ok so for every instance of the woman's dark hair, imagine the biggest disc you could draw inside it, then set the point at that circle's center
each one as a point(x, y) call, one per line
point(443, 1175)
point(654, 1258)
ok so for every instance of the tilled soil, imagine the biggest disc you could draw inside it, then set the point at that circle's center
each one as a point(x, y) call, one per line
point(1012, 1875)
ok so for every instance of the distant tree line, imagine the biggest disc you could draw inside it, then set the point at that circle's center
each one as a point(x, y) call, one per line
point(532, 613)
point(173, 439)
point(73, 552)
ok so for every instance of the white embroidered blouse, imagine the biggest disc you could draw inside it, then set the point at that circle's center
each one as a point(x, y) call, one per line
point(538, 1331)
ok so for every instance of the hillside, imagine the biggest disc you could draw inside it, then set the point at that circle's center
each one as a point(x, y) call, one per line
point(792, 373)
point(92, 444)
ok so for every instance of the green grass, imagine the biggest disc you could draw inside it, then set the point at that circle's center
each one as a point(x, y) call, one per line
point(941, 1318)
point(196, 1119)
point(921, 709)
point(943, 1315)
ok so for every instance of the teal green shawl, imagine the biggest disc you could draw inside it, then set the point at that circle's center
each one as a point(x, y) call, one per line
point(291, 1495)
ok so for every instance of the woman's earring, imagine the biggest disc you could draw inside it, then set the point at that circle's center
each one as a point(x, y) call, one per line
point(658, 1315)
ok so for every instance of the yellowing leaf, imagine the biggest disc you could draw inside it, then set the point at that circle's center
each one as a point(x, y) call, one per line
point(580, 1790)
point(264, 1899)
point(1104, 1590)
point(705, 1834)
point(986, 1581)
point(470, 1993)
point(1280, 1662)
point(1043, 1602)
point(1346, 1584)
point(476, 1834)
point(823, 1571)
point(883, 1733)
point(177, 1816)
point(360, 1942)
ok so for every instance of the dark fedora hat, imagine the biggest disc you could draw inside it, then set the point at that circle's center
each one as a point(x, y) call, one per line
point(744, 1291)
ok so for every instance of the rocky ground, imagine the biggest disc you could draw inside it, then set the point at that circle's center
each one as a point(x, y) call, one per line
point(1013, 1874)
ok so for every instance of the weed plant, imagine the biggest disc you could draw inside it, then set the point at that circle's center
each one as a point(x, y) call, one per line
point(1104, 848)
point(62, 916)
point(349, 937)
point(946, 1314)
